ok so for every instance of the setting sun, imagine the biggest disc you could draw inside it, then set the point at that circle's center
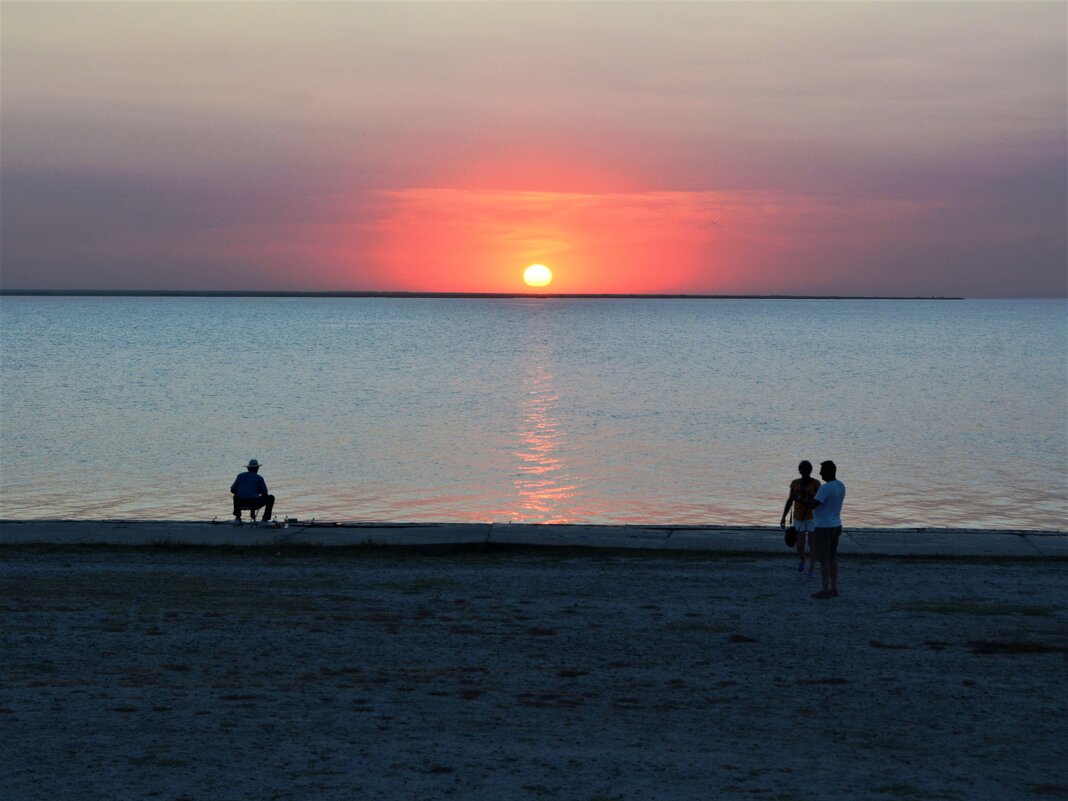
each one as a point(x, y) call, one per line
point(537, 275)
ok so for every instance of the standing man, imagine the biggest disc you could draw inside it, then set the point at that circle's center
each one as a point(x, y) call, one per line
point(802, 491)
point(250, 492)
point(827, 512)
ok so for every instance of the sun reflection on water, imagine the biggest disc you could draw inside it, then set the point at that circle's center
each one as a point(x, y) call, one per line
point(544, 490)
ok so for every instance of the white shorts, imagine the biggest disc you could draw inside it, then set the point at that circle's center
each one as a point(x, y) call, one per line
point(804, 526)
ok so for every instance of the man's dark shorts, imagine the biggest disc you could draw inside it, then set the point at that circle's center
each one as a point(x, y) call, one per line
point(253, 504)
point(827, 543)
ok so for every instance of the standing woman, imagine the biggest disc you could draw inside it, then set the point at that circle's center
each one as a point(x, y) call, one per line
point(802, 491)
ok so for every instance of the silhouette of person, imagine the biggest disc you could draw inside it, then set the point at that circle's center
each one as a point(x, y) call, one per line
point(802, 491)
point(827, 512)
point(250, 492)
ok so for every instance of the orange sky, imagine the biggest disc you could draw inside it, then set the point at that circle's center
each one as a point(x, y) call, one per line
point(450, 239)
point(480, 240)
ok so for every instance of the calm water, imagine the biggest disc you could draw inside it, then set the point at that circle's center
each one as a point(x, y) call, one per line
point(680, 411)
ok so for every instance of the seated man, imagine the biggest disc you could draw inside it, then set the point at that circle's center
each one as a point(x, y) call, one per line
point(250, 492)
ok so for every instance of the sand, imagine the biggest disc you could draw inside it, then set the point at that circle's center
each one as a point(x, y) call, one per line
point(197, 674)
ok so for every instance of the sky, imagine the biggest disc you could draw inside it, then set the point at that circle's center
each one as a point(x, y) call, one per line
point(813, 148)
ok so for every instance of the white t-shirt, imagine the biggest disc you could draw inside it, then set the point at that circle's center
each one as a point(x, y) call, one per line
point(829, 513)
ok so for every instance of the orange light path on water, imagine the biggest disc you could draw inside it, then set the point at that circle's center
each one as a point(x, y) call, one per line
point(543, 496)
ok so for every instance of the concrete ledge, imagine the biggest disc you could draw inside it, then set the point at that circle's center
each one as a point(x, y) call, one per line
point(1054, 543)
point(924, 542)
point(386, 534)
point(132, 532)
point(740, 539)
point(763, 540)
point(579, 536)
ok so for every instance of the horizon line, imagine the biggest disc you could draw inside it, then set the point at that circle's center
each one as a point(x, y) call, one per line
point(244, 293)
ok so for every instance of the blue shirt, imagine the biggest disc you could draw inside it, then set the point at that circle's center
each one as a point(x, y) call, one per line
point(829, 513)
point(249, 485)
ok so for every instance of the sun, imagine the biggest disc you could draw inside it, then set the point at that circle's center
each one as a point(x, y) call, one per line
point(537, 275)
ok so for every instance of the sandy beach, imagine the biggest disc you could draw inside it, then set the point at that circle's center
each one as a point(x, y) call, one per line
point(528, 674)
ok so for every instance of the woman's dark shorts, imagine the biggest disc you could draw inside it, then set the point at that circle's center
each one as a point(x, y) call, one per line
point(827, 543)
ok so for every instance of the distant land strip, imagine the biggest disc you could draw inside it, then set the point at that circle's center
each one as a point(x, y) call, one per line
point(243, 293)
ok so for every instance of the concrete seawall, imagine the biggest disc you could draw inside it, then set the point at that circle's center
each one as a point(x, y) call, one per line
point(739, 539)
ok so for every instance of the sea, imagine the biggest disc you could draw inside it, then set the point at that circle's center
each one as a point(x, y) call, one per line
point(938, 413)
